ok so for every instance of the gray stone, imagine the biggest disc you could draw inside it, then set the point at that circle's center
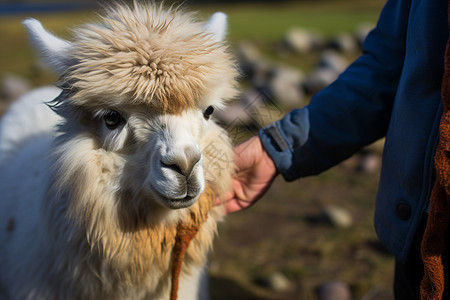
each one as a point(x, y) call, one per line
point(318, 40)
point(241, 112)
point(234, 115)
point(337, 216)
point(285, 86)
point(300, 40)
point(329, 66)
point(318, 79)
point(260, 73)
point(278, 282)
point(247, 51)
point(251, 100)
point(251, 62)
point(334, 290)
point(369, 163)
point(344, 42)
point(331, 59)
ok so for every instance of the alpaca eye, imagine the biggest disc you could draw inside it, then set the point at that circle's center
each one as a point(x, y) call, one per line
point(112, 119)
point(208, 112)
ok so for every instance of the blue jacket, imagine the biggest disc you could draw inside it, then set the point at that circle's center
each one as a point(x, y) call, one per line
point(391, 90)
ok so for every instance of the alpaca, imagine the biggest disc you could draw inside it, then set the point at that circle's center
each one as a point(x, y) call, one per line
point(96, 182)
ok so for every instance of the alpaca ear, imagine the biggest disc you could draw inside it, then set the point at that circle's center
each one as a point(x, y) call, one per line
point(54, 50)
point(217, 25)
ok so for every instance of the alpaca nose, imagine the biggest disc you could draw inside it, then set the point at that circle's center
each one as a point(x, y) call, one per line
point(184, 162)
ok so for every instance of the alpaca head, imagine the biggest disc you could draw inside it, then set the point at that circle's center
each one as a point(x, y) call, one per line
point(139, 88)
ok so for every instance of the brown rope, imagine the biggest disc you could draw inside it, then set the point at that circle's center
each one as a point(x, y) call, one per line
point(433, 242)
point(185, 234)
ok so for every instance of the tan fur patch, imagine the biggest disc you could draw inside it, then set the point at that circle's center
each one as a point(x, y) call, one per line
point(152, 246)
point(155, 244)
point(147, 55)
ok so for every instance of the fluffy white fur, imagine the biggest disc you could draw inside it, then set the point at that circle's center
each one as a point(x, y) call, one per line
point(89, 210)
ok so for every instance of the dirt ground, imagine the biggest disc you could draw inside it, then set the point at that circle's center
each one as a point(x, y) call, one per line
point(284, 232)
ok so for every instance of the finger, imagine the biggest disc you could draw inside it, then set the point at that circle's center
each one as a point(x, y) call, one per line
point(232, 207)
point(235, 206)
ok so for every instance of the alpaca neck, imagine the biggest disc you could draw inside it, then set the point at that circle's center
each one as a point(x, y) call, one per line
point(136, 258)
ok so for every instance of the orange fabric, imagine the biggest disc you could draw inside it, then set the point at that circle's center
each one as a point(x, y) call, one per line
point(433, 242)
point(185, 234)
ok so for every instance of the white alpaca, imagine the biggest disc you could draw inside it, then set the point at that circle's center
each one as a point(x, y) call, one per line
point(95, 184)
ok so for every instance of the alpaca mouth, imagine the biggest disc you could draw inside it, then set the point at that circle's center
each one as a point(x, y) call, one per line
point(174, 203)
point(178, 203)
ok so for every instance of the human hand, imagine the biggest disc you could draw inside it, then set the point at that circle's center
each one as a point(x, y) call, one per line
point(255, 172)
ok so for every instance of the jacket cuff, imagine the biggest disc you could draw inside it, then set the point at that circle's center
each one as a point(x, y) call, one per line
point(274, 142)
point(284, 138)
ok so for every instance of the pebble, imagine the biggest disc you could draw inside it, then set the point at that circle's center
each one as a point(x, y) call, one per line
point(277, 282)
point(337, 216)
point(344, 42)
point(302, 41)
point(369, 163)
point(242, 112)
point(319, 79)
point(248, 56)
point(285, 86)
point(334, 290)
point(331, 59)
point(298, 40)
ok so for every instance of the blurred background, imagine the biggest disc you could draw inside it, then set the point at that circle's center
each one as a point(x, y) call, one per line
point(308, 239)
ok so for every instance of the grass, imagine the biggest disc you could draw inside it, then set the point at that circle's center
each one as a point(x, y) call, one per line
point(262, 23)
point(16, 55)
point(269, 21)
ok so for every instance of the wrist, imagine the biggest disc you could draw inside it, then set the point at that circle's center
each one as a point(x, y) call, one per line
point(267, 161)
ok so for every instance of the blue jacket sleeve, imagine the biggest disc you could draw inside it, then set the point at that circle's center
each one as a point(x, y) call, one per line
point(350, 113)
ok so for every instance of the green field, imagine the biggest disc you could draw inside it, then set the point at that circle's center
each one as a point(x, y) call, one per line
point(262, 23)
